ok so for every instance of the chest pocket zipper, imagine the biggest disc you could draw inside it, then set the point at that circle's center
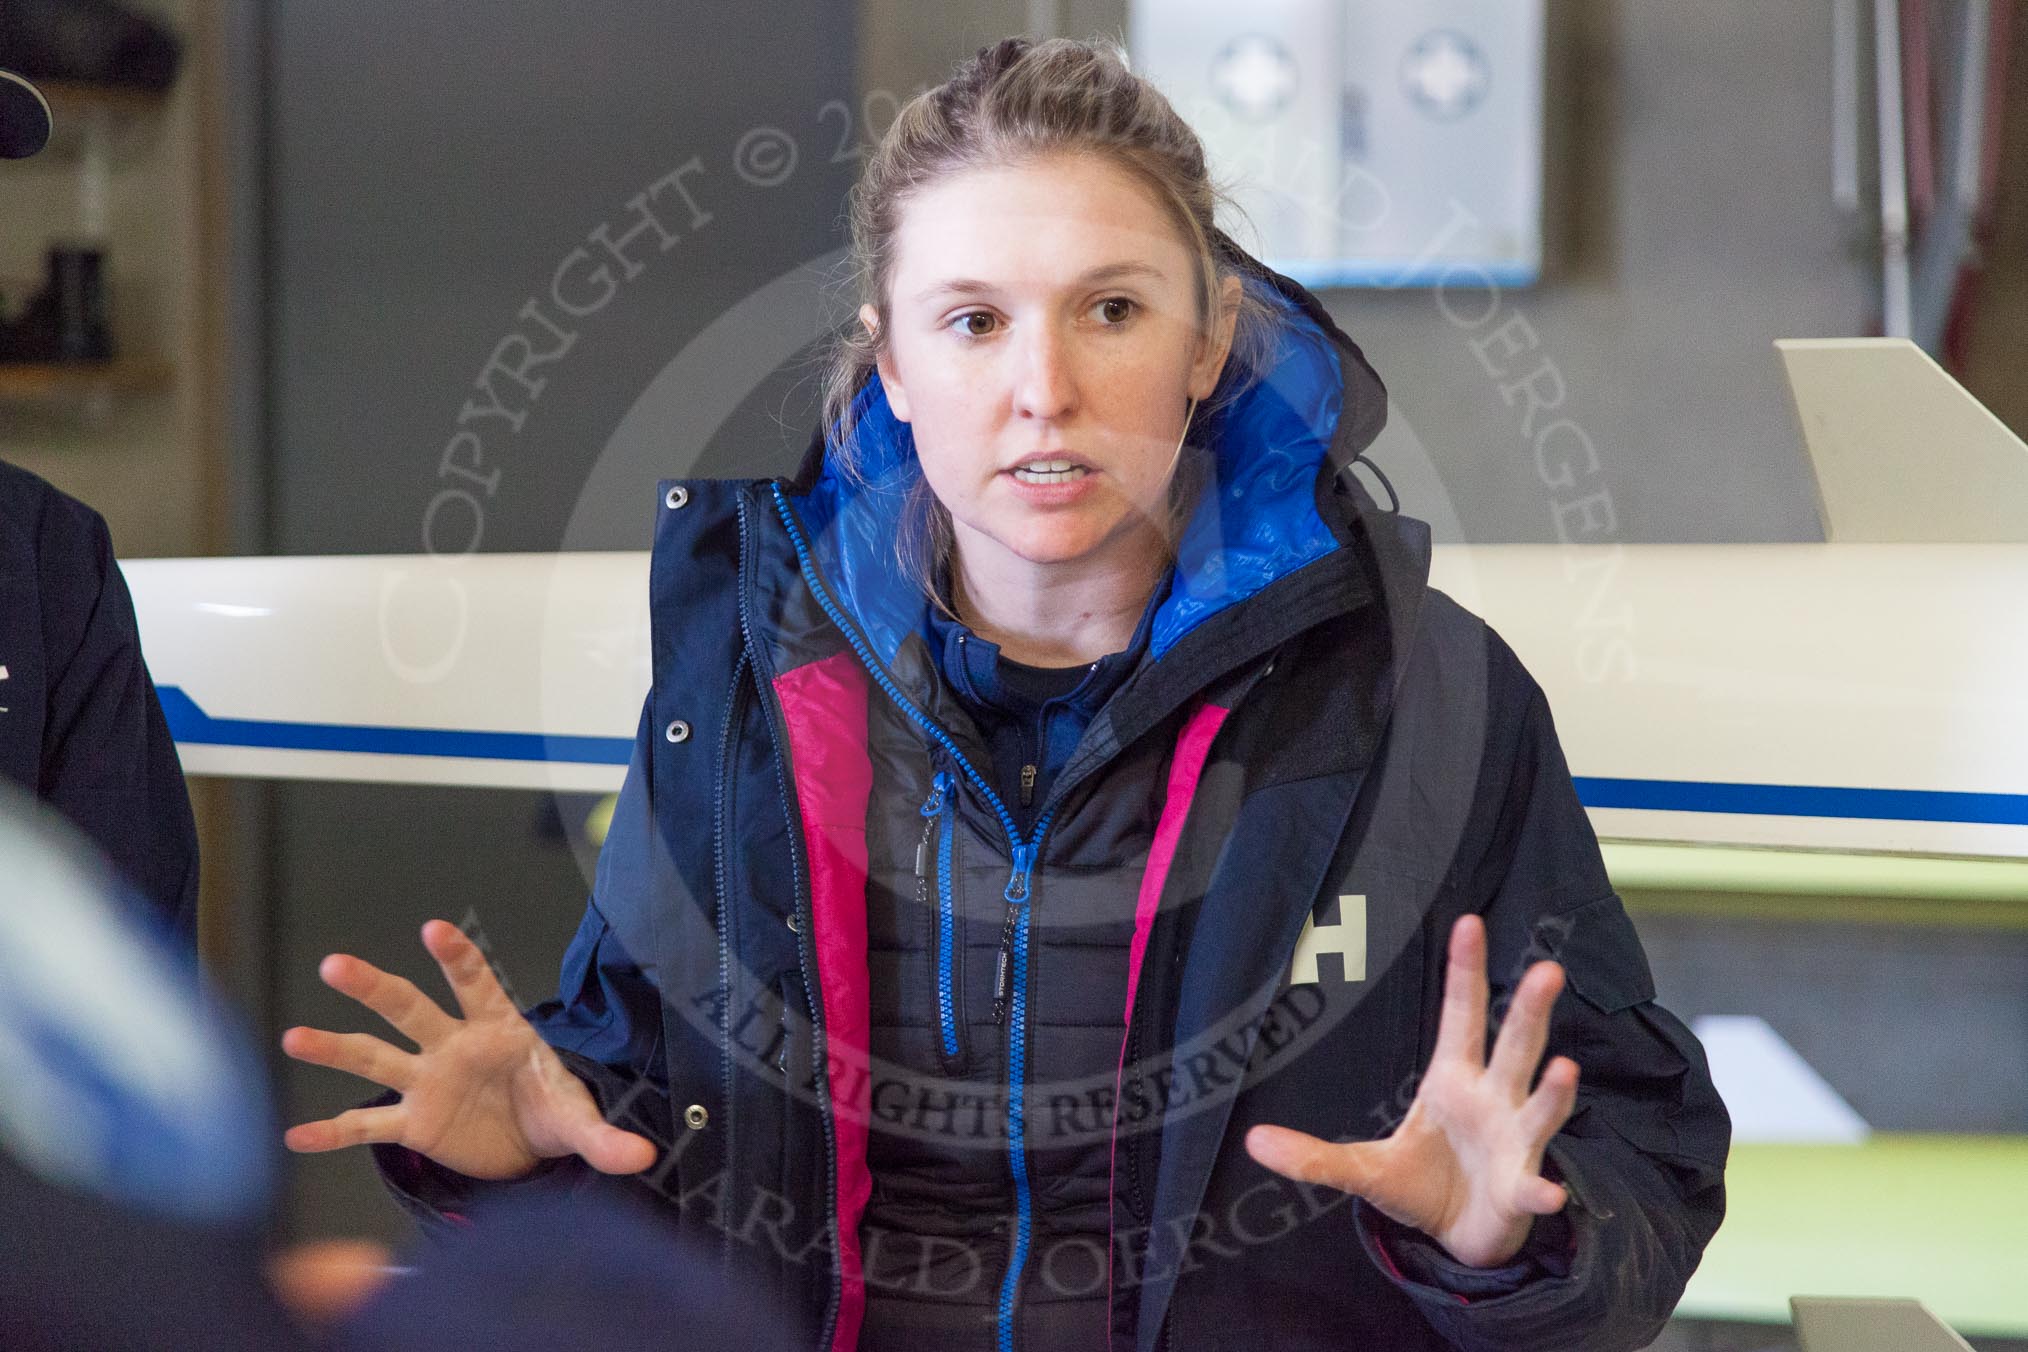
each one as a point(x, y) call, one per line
point(939, 836)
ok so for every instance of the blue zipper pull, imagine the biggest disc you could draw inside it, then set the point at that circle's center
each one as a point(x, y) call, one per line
point(1017, 896)
point(1017, 882)
point(940, 784)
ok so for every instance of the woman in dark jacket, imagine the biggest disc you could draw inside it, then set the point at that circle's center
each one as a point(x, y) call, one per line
point(1070, 852)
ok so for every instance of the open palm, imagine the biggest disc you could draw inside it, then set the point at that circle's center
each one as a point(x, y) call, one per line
point(1464, 1165)
point(483, 1095)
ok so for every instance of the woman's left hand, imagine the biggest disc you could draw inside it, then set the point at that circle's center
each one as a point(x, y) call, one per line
point(1464, 1165)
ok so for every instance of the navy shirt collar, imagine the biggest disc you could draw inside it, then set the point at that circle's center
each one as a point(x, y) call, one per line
point(971, 664)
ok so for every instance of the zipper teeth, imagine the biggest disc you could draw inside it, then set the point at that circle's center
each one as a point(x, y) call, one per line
point(945, 924)
point(1132, 1058)
point(725, 747)
point(1017, 1126)
point(1017, 1134)
point(819, 1051)
point(1016, 1063)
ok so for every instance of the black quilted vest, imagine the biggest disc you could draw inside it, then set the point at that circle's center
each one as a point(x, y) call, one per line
point(937, 1228)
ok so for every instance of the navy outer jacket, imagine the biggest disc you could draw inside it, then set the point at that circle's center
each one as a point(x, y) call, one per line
point(80, 725)
point(1315, 767)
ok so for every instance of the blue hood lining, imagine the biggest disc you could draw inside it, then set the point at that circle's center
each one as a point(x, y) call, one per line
point(1255, 521)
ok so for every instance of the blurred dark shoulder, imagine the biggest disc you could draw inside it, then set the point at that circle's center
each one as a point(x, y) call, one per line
point(45, 531)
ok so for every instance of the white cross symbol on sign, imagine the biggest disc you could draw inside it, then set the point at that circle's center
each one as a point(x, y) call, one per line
point(1347, 939)
point(1256, 76)
point(1446, 74)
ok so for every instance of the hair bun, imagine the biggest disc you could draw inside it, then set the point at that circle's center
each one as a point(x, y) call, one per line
point(991, 61)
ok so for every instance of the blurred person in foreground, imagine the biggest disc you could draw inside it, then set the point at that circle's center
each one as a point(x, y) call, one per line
point(80, 724)
point(138, 1172)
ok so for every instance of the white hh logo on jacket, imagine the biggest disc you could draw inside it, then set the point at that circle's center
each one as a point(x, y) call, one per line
point(1346, 938)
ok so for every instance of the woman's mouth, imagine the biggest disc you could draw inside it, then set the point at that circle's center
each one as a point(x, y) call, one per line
point(1049, 472)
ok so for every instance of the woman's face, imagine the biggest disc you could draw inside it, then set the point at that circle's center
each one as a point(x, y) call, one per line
point(1047, 313)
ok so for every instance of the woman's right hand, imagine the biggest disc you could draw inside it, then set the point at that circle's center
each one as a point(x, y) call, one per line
point(483, 1095)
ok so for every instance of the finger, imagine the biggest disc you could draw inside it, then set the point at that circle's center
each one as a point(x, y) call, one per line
point(585, 1131)
point(1540, 1197)
point(465, 967)
point(1348, 1166)
point(417, 1017)
point(360, 1054)
point(1517, 1048)
point(328, 1279)
point(610, 1150)
point(1550, 1106)
point(355, 1126)
point(1461, 1029)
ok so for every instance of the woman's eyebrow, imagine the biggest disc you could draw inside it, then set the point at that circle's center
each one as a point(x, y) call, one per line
point(1104, 272)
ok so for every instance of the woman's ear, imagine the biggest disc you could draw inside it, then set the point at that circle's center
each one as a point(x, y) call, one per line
point(883, 362)
point(1213, 350)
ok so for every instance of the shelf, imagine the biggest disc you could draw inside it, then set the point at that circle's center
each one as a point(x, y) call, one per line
point(43, 382)
point(74, 96)
point(119, 117)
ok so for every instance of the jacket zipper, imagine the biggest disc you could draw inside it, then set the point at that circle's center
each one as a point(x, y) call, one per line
point(721, 810)
point(1132, 1058)
point(1011, 982)
point(805, 928)
point(939, 813)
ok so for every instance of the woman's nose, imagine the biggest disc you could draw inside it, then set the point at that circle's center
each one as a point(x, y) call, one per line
point(1047, 385)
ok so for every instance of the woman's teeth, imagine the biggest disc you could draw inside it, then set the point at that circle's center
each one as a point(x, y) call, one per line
point(1049, 472)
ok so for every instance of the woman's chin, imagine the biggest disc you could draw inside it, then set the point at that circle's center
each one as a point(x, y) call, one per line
point(1062, 540)
point(1055, 548)
point(1062, 536)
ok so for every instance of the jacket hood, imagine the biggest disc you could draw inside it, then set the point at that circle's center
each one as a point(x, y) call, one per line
point(1274, 448)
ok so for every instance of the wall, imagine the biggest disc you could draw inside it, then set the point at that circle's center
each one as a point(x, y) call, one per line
point(1996, 327)
point(145, 464)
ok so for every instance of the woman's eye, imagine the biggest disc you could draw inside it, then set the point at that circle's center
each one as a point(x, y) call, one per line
point(1115, 309)
point(968, 329)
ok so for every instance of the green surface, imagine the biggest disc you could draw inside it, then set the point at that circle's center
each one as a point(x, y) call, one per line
point(1941, 1218)
point(1818, 884)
